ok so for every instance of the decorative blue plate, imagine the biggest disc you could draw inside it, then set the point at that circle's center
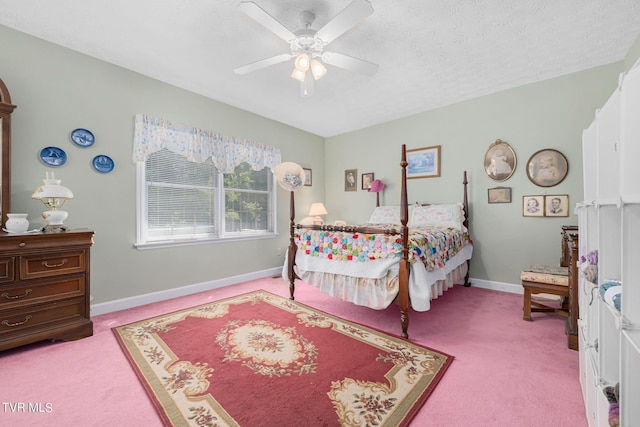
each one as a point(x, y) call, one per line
point(82, 137)
point(102, 163)
point(53, 156)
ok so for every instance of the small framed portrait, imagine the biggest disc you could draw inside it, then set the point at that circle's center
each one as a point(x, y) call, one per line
point(533, 206)
point(308, 175)
point(367, 179)
point(556, 205)
point(423, 162)
point(547, 168)
point(499, 161)
point(351, 180)
point(499, 195)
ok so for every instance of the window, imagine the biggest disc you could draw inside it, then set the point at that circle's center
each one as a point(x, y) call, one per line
point(182, 202)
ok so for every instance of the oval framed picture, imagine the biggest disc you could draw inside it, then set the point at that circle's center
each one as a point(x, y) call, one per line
point(547, 167)
point(499, 161)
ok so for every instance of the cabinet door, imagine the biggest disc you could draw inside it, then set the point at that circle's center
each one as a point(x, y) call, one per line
point(630, 136)
point(608, 136)
point(589, 145)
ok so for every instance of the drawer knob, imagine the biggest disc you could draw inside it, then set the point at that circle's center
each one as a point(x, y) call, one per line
point(22, 244)
point(60, 264)
point(7, 296)
point(6, 322)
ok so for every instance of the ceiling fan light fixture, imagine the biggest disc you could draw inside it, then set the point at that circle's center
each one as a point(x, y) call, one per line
point(302, 62)
point(298, 75)
point(317, 69)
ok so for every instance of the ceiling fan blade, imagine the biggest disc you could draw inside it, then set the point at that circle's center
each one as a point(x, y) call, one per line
point(263, 63)
point(350, 63)
point(355, 12)
point(269, 22)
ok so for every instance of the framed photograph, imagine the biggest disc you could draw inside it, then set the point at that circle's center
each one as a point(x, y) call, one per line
point(307, 177)
point(499, 161)
point(556, 205)
point(533, 206)
point(423, 162)
point(499, 195)
point(367, 179)
point(547, 168)
point(351, 180)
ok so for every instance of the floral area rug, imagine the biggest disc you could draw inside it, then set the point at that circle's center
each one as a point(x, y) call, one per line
point(259, 359)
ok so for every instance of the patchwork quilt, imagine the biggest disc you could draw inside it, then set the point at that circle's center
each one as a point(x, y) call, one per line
point(433, 246)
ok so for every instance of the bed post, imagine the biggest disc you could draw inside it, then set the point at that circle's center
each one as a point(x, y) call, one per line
point(403, 294)
point(466, 220)
point(291, 252)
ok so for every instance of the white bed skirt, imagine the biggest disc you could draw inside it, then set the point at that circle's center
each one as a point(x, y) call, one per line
point(380, 291)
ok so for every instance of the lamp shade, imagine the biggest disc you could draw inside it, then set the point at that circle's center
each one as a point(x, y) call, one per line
point(290, 176)
point(377, 186)
point(52, 193)
point(317, 209)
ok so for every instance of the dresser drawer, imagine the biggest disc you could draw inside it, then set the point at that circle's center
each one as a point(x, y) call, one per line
point(41, 291)
point(52, 264)
point(7, 269)
point(40, 318)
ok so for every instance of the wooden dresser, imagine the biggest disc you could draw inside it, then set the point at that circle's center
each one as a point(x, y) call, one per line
point(44, 287)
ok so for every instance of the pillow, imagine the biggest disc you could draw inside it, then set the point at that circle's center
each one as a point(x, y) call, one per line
point(385, 215)
point(450, 216)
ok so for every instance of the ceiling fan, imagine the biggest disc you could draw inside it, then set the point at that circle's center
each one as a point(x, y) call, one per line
point(307, 45)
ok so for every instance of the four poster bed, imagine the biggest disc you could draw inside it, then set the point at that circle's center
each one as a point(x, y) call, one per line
point(404, 254)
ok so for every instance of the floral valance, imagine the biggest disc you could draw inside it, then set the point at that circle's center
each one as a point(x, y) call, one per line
point(197, 145)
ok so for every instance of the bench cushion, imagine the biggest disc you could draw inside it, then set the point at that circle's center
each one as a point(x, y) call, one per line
point(546, 274)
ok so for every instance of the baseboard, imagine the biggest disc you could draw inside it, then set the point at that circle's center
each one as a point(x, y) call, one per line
point(138, 300)
point(497, 286)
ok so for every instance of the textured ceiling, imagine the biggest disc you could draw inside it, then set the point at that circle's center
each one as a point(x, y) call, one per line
point(431, 52)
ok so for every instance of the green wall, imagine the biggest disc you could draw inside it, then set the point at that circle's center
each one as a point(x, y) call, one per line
point(57, 90)
point(548, 114)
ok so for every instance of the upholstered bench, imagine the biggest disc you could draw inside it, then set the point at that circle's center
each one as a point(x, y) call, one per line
point(543, 284)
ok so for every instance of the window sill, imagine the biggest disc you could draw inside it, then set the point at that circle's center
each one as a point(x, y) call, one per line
point(191, 242)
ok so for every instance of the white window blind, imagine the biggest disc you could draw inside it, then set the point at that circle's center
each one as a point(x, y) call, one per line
point(197, 185)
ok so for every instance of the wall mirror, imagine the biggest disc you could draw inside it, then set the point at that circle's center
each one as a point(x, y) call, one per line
point(6, 108)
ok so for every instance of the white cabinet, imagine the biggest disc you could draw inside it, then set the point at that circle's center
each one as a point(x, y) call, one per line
point(609, 219)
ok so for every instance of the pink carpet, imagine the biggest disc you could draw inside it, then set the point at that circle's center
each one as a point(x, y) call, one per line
point(506, 371)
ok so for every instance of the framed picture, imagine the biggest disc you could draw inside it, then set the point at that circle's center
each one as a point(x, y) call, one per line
point(556, 205)
point(307, 177)
point(367, 179)
point(499, 195)
point(499, 161)
point(547, 168)
point(533, 206)
point(351, 180)
point(423, 162)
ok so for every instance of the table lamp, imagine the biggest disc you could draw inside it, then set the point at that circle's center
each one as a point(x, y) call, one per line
point(315, 211)
point(376, 187)
point(53, 195)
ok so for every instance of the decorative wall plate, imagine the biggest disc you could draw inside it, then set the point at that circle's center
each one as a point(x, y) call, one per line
point(53, 156)
point(102, 163)
point(82, 137)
